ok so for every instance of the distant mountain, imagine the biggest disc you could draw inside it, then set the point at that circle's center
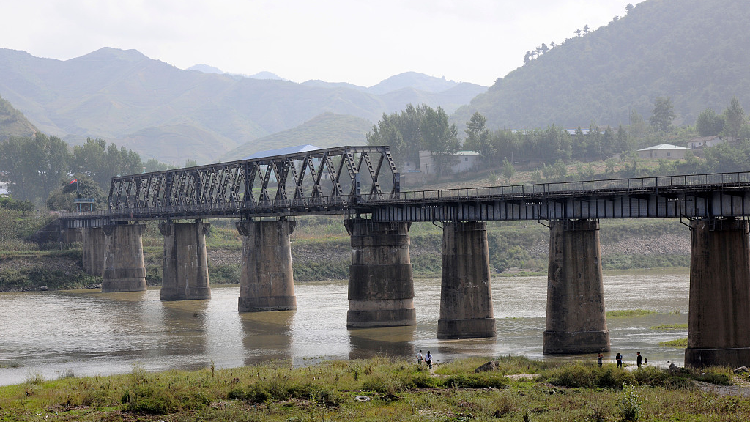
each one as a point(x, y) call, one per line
point(414, 80)
point(693, 51)
point(324, 131)
point(170, 114)
point(205, 68)
point(13, 122)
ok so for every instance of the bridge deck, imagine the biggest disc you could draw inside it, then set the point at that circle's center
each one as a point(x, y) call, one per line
point(364, 180)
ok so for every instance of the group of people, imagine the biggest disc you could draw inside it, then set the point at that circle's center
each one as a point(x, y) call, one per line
point(618, 358)
point(427, 359)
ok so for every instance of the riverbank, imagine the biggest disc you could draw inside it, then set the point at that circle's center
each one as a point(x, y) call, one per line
point(514, 388)
point(321, 251)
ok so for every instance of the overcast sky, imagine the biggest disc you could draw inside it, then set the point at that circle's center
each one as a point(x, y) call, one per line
point(356, 41)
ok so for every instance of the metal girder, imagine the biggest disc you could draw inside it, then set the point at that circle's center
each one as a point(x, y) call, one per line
point(324, 179)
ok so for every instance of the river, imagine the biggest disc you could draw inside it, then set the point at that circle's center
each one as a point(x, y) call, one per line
point(86, 333)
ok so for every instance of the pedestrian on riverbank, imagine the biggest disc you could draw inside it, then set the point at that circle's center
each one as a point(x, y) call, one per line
point(618, 358)
point(599, 359)
point(428, 359)
point(638, 359)
point(420, 358)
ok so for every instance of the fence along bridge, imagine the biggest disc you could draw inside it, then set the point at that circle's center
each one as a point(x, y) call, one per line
point(363, 184)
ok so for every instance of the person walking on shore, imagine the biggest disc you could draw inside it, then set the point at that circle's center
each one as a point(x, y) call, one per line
point(638, 359)
point(599, 359)
point(618, 358)
point(428, 360)
point(420, 358)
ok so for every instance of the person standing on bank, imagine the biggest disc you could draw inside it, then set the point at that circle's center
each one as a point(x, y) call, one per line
point(420, 358)
point(599, 359)
point(638, 359)
point(618, 358)
point(428, 360)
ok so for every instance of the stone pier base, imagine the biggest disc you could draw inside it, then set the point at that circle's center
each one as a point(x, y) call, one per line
point(266, 280)
point(576, 320)
point(94, 250)
point(465, 298)
point(381, 289)
point(719, 304)
point(124, 270)
point(185, 275)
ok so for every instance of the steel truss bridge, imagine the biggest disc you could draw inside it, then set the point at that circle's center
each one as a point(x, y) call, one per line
point(365, 181)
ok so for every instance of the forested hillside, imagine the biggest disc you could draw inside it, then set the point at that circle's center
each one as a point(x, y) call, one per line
point(692, 51)
point(172, 115)
point(13, 122)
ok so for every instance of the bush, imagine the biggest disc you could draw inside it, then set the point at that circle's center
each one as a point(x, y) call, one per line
point(589, 376)
point(481, 380)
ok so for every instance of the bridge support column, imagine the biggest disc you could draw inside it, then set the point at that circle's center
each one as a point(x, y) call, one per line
point(576, 321)
point(124, 270)
point(465, 298)
point(94, 248)
point(719, 304)
point(185, 275)
point(381, 289)
point(266, 280)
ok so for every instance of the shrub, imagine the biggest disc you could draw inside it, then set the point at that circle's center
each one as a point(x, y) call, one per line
point(629, 404)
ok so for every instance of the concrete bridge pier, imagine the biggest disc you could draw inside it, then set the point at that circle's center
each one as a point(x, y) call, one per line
point(266, 280)
point(185, 275)
point(576, 321)
point(381, 289)
point(124, 270)
point(465, 298)
point(719, 304)
point(94, 248)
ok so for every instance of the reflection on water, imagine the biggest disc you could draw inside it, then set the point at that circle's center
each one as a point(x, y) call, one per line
point(90, 333)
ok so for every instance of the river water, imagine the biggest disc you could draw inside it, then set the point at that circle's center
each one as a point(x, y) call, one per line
point(87, 333)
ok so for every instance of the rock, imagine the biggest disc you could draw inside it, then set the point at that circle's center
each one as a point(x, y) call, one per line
point(489, 366)
point(43, 288)
point(741, 370)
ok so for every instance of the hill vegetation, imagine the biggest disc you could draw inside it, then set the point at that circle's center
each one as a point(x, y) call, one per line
point(691, 51)
point(13, 122)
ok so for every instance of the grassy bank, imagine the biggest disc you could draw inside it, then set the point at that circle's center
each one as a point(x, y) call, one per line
point(321, 250)
point(382, 390)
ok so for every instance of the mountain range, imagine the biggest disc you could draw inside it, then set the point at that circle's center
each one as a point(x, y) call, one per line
point(173, 115)
point(691, 51)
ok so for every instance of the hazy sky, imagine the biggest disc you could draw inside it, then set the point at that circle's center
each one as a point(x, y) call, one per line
point(356, 41)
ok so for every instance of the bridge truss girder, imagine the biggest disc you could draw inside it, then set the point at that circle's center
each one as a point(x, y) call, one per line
point(329, 180)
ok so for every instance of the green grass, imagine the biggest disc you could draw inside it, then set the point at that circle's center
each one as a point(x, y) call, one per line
point(679, 343)
point(670, 327)
point(376, 389)
point(629, 313)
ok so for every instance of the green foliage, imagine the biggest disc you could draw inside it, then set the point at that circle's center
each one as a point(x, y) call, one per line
point(34, 165)
point(709, 123)
point(13, 123)
point(101, 162)
point(663, 115)
point(630, 404)
point(581, 375)
point(680, 343)
point(734, 118)
point(82, 187)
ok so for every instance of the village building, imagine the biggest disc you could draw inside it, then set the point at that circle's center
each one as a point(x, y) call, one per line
point(663, 151)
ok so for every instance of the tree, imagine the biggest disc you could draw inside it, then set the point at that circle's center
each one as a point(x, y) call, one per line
point(439, 137)
point(400, 131)
point(63, 198)
point(34, 165)
point(663, 115)
point(629, 8)
point(508, 170)
point(586, 29)
point(709, 123)
point(734, 117)
point(578, 32)
point(478, 137)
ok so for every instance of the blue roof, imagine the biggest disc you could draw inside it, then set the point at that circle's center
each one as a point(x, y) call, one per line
point(282, 151)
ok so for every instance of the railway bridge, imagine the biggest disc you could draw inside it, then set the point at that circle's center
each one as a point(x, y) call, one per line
point(363, 185)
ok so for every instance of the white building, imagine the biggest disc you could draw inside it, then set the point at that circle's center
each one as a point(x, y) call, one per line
point(705, 142)
point(460, 162)
point(664, 151)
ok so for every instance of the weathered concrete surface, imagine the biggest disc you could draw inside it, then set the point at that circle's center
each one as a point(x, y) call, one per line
point(576, 320)
point(266, 280)
point(94, 248)
point(124, 270)
point(465, 297)
point(381, 288)
point(185, 275)
point(719, 304)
